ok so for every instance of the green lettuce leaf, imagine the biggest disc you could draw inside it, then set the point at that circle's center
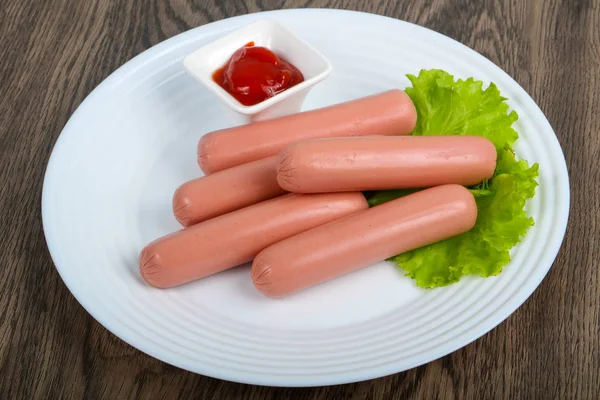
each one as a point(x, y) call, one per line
point(449, 107)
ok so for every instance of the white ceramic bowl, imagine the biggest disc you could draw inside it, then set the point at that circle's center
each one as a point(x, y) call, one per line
point(202, 63)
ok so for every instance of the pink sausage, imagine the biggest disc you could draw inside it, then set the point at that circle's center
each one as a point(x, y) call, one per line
point(388, 113)
point(363, 238)
point(225, 191)
point(384, 162)
point(235, 238)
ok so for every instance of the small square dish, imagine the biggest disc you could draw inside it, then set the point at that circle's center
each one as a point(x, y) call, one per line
point(203, 62)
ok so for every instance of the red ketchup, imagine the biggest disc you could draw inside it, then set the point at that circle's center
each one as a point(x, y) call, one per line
point(254, 74)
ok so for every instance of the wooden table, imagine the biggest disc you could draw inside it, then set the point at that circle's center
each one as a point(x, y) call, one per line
point(54, 52)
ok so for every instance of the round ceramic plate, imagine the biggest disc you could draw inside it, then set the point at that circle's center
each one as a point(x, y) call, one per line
point(132, 142)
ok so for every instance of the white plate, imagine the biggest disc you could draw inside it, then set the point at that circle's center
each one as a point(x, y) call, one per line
point(108, 188)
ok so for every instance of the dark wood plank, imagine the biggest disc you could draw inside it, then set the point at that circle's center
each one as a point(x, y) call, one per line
point(53, 53)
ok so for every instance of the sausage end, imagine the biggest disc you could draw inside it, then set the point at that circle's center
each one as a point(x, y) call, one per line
point(287, 171)
point(411, 114)
point(491, 155)
point(406, 110)
point(205, 149)
point(150, 268)
point(466, 201)
point(182, 209)
point(262, 277)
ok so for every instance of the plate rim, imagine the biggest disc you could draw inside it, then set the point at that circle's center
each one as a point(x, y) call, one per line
point(366, 374)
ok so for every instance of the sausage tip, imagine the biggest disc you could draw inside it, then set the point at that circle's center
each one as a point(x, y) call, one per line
point(407, 109)
point(262, 275)
point(466, 202)
point(492, 155)
point(286, 171)
point(412, 114)
point(181, 207)
point(150, 268)
point(205, 147)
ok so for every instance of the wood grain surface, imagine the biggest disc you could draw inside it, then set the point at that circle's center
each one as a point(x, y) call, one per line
point(52, 55)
